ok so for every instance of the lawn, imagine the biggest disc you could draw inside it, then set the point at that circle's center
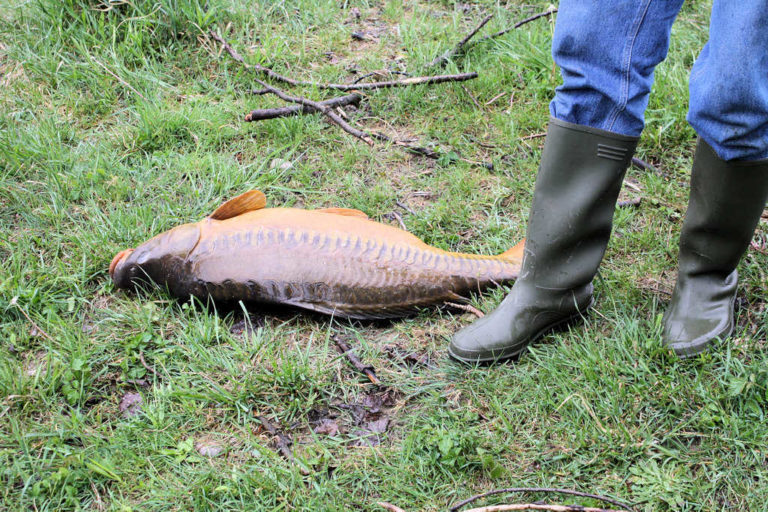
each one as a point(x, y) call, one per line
point(120, 120)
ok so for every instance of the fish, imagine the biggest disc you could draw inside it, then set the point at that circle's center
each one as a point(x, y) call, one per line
point(334, 261)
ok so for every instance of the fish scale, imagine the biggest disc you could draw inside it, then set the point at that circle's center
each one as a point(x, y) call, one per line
point(334, 261)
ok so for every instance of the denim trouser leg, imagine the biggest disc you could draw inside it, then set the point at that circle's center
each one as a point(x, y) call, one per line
point(607, 51)
point(729, 82)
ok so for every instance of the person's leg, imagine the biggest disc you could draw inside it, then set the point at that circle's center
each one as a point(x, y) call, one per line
point(607, 51)
point(729, 82)
point(729, 181)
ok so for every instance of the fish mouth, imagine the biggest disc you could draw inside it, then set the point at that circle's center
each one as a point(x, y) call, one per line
point(117, 259)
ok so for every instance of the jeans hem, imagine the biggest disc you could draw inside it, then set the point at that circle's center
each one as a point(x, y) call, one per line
point(592, 130)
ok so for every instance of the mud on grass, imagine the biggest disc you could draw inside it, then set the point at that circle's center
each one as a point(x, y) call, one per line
point(121, 121)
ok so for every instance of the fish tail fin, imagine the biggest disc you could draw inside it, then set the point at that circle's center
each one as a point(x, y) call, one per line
point(514, 254)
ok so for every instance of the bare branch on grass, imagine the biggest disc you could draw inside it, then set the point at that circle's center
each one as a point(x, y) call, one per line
point(416, 80)
point(630, 202)
point(539, 506)
point(283, 443)
point(570, 492)
point(273, 113)
point(513, 27)
point(335, 118)
point(445, 57)
point(363, 368)
point(467, 307)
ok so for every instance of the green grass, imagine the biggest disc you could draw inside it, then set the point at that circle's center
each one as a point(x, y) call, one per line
point(118, 124)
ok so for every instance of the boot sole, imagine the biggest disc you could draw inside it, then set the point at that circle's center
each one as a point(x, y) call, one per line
point(514, 351)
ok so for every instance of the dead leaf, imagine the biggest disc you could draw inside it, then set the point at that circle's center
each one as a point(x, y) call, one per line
point(327, 426)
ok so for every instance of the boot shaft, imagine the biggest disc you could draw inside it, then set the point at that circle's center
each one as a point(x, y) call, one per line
point(724, 208)
point(578, 183)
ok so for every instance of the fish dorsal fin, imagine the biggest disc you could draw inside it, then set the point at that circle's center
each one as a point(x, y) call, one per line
point(246, 202)
point(347, 212)
point(515, 253)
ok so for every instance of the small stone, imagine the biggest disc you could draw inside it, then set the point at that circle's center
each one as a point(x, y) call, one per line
point(278, 163)
point(208, 448)
point(130, 404)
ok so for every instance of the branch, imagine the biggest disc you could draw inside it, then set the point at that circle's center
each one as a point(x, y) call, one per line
point(442, 59)
point(643, 165)
point(469, 308)
point(537, 506)
point(629, 202)
point(515, 26)
point(570, 492)
point(389, 506)
point(418, 150)
point(365, 137)
point(417, 80)
point(346, 350)
point(272, 113)
point(283, 443)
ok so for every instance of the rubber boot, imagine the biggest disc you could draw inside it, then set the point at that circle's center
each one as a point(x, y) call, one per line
point(726, 201)
point(577, 186)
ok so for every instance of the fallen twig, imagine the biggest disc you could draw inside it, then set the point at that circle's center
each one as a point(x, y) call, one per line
point(416, 80)
point(534, 136)
point(15, 302)
point(629, 202)
point(569, 492)
point(418, 150)
point(513, 27)
point(405, 207)
point(365, 137)
point(399, 220)
point(490, 101)
point(467, 307)
point(310, 106)
point(272, 113)
point(283, 443)
point(389, 506)
point(538, 506)
point(643, 165)
point(378, 73)
point(146, 366)
point(363, 368)
point(442, 59)
point(474, 100)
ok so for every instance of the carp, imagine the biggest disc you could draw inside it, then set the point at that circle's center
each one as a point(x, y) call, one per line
point(333, 260)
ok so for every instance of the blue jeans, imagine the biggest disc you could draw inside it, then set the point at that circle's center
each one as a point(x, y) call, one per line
point(607, 51)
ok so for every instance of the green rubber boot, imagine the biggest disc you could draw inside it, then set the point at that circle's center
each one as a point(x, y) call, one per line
point(724, 208)
point(579, 179)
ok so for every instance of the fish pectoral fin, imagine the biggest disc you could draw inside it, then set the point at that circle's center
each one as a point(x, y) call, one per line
point(515, 253)
point(347, 212)
point(246, 202)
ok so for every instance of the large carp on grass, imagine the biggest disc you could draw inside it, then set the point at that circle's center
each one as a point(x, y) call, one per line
point(333, 260)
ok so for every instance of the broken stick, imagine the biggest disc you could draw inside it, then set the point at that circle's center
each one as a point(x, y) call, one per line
point(365, 137)
point(273, 113)
point(363, 368)
point(541, 506)
point(416, 80)
point(445, 57)
point(515, 26)
point(569, 492)
point(283, 443)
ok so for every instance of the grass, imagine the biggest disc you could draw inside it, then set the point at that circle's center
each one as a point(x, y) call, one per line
point(118, 123)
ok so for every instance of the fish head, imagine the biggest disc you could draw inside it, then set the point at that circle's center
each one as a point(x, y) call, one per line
point(157, 259)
